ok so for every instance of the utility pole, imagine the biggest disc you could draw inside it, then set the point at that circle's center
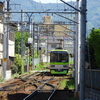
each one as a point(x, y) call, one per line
point(22, 40)
point(33, 36)
point(83, 37)
point(77, 51)
point(38, 40)
point(47, 32)
point(5, 40)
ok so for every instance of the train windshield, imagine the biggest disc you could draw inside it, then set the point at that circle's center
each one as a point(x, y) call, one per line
point(59, 56)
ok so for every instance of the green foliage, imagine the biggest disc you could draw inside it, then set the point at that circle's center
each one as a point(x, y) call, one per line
point(14, 69)
point(19, 62)
point(94, 42)
point(35, 54)
point(71, 84)
point(63, 83)
point(42, 65)
point(18, 40)
point(1, 79)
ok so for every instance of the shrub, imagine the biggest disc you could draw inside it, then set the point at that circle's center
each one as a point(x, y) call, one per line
point(94, 42)
point(19, 62)
point(14, 69)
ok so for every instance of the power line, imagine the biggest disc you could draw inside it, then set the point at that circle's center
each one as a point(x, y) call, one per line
point(34, 7)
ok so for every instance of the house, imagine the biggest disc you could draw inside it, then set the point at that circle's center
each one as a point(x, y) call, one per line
point(10, 45)
point(1, 37)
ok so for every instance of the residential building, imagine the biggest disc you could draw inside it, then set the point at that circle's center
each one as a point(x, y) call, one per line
point(10, 44)
point(1, 37)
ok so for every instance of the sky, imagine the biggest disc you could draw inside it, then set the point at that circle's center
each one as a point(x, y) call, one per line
point(52, 1)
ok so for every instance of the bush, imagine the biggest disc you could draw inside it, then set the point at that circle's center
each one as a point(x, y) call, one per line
point(14, 69)
point(94, 42)
point(19, 62)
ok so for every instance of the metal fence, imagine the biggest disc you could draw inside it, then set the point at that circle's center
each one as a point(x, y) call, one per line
point(92, 78)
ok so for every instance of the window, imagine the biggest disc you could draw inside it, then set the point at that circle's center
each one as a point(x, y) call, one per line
point(1, 38)
point(59, 56)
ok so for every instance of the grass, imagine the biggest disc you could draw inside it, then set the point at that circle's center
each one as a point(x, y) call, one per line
point(1, 79)
point(15, 75)
point(70, 84)
point(42, 65)
point(63, 84)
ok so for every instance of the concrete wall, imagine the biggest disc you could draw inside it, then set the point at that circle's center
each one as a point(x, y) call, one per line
point(0, 72)
point(1, 39)
point(11, 48)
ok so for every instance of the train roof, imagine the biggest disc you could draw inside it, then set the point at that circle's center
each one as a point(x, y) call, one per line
point(60, 50)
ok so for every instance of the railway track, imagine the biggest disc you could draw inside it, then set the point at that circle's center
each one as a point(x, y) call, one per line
point(20, 85)
point(31, 87)
point(46, 90)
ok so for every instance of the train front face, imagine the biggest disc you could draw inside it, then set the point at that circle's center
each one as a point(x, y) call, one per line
point(59, 62)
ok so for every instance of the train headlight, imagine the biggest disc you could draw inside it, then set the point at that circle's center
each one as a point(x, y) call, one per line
point(52, 65)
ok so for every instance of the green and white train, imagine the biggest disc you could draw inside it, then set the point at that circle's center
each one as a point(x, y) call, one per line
point(59, 61)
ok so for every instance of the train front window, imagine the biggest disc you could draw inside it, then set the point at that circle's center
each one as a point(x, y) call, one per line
point(59, 57)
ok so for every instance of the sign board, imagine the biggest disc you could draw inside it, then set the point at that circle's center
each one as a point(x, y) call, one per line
point(30, 40)
point(5, 59)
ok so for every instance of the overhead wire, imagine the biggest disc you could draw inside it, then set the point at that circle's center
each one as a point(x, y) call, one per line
point(15, 4)
point(34, 7)
point(41, 5)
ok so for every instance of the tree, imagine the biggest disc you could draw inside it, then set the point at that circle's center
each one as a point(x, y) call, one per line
point(94, 42)
point(18, 38)
point(18, 62)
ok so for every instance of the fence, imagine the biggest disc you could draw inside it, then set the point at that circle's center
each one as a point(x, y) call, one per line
point(92, 84)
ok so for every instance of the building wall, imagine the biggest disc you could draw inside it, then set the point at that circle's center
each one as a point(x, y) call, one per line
point(11, 48)
point(11, 45)
point(47, 19)
point(60, 30)
point(1, 38)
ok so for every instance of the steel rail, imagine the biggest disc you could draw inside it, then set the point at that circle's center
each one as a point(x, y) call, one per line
point(54, 90)
point(38, 89)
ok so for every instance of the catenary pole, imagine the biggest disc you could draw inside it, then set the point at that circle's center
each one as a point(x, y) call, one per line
point(5, 40)
point(83, 36)
point(33, 42)
point(22, 40)
point(76, 52)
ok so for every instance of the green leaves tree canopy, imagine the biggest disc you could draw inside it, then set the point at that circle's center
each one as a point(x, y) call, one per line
point(94, 41)
point(18, 39)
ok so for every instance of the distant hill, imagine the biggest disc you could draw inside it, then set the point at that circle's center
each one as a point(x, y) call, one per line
point(93, 10)
point(93, 13)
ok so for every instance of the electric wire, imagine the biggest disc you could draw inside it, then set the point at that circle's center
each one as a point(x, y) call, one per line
point(41, 5)
point(17, 15)
point(34, 7)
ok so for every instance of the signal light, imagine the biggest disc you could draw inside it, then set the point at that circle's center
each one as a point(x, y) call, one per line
point(30, 53)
